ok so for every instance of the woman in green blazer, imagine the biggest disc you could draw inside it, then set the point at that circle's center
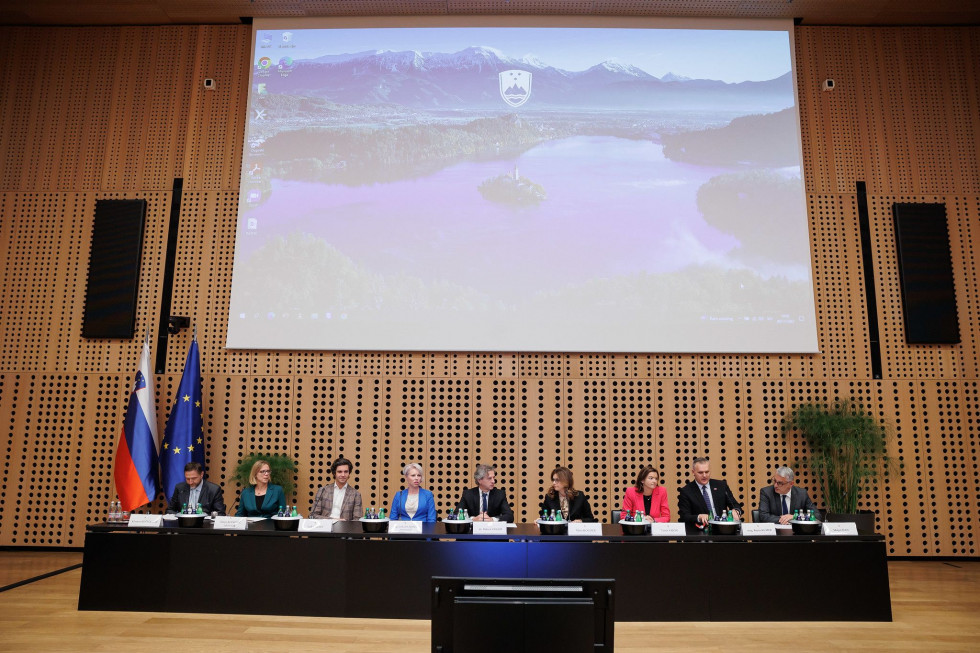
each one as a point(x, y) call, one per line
point(261, 498)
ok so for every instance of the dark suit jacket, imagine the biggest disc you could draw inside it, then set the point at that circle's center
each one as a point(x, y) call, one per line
point(690, 503)
point(274, 498)
point(350, 509)
point(769, 508)
point(497, 504)
point(578, 508)
point(211, 500)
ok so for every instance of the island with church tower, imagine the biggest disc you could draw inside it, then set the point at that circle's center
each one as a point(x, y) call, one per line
point(511, 188)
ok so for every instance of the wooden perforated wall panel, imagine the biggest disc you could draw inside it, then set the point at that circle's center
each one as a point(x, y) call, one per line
point(120, 112)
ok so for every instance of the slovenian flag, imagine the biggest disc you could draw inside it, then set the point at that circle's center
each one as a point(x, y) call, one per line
point(135, 467)
point(183, 439)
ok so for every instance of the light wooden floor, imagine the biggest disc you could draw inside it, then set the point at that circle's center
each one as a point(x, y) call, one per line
point(936, 607)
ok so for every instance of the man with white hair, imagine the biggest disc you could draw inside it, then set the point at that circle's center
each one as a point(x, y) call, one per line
point(778, 501)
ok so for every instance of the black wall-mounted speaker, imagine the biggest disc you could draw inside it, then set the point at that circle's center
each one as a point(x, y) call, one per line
point(114, 269)
point(926, 271)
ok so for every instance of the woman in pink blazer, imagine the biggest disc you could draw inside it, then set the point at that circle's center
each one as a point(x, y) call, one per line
point(648, 495)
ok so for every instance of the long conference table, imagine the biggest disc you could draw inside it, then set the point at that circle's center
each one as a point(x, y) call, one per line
point(349, 573)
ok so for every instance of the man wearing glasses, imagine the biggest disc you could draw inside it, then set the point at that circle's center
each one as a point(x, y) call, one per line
point(778, 501)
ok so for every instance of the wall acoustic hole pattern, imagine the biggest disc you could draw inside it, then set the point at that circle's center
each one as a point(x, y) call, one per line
point(81, 123)
point(7, 408)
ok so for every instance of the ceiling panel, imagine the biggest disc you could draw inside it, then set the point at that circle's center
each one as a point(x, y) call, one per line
point(168, 12)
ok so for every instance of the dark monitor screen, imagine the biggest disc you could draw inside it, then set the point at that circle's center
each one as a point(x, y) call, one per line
point(526, 614)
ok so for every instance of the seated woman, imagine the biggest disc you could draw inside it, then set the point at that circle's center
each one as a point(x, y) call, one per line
point(647, 495)
point(260, 498)
point(574, 505)
point(414, 503)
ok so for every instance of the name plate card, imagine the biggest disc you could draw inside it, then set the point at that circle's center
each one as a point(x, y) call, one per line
point(146, 521)
point(316, 525)
point(489, 528)
point(230, 523)
point(758, 529)
point(668, 528)
point(839, 528)
point(592, 529)
point(405, 527)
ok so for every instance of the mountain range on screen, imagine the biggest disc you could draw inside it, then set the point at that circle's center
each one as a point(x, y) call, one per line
point(468, 79)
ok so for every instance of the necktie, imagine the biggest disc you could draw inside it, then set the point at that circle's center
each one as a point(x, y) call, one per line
point(484, 508)
point(785, 507)
point(707, 500)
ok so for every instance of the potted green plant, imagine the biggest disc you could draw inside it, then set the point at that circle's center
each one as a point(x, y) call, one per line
point(847, 452)
point(283, 469)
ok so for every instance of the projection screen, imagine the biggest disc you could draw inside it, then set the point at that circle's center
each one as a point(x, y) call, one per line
point(532, 185)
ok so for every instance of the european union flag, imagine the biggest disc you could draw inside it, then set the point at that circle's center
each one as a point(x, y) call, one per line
point(183, 439)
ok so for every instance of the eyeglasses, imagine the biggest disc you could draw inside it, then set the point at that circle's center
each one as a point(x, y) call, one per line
point(265, 471)
point(780, 483)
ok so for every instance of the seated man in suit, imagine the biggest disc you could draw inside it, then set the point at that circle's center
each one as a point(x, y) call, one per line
point(339, 500)
point(778, 501)
point(483, 502)
point(704, 498)
point(196, 491)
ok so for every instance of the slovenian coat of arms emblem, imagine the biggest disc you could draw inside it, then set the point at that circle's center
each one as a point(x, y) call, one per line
point(515, 86)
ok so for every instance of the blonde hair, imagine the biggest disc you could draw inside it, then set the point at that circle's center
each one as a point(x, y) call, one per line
point(253, 475)
point(410, 466)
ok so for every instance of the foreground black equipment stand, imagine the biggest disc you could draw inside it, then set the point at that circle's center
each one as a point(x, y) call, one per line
point(572, 616)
